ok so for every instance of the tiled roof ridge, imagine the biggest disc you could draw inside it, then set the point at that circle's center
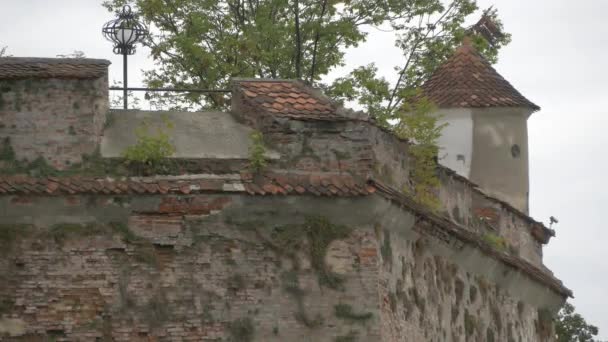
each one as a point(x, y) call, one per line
point(319, 184)
point(52, 60)
point(67, 68)
point(72, 185)
point(338, 112)
point(275, 182)
point(468, 80)
point(269, 183)
point(288, 98)
point(469, 237)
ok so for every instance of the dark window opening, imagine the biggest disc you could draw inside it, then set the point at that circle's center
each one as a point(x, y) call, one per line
point(515, 151)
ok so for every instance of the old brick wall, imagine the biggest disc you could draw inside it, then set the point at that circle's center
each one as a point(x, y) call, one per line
point(366, 150)
point(177, 268)
point(321, 146)
point(222, 267)
point(59, 119)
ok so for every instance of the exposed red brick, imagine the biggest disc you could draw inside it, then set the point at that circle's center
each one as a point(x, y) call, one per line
point(198, 205)
point(22, 200)
point(367, 252)
point(316, 183)
point(72, 200)
point(487, 214)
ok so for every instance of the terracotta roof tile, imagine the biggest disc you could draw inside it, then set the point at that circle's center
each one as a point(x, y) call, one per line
point(289, 98)
point(326, 184)
point(468, 80)
point(318, 184)
point(77, 68)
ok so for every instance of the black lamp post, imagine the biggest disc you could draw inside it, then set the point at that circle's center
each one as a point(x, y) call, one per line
point(124, 32)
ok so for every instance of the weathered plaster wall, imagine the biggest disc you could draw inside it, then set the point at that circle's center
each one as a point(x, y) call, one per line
point(215, 268)
point(57, 119)
point(195, 135)
point(456, 141)
point(188, 268)
point(479, 144)
point(500, 162)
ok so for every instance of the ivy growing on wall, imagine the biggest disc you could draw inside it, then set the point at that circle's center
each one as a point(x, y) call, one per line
point(496, 241)
point(313, 237)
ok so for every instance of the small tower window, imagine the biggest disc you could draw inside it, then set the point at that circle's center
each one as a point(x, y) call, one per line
point(515, 151)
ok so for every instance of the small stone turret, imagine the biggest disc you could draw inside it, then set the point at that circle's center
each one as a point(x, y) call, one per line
point(53, 108)
point(486, 139)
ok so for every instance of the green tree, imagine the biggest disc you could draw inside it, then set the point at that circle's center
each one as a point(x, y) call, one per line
point(417, 123)
point(572, 327)
point(426, 40)
point(204, 43)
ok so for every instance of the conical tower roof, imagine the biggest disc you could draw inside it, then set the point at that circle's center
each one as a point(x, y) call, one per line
point(467, 80)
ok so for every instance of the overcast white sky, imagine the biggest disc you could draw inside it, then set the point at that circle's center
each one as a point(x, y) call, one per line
point(558, 59)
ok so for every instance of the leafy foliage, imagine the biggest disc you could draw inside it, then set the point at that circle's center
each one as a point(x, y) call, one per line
point(150, 149)
point(257, 151)
point(204, 43)
point(418, 124)
point(427, 37)
point(496, 241)
point(116, 99)
point(572, 327)
point(321, 233)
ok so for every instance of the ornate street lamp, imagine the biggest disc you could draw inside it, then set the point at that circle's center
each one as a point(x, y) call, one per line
point(124, 32)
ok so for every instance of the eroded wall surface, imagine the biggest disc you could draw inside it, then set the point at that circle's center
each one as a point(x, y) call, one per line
point(59, 120)
point(368, 151)
point(193, 268)
point(440, 291)
point(242, 268)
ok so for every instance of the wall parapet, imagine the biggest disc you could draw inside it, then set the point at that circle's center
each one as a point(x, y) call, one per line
point(268, 184)
point(53, 109)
